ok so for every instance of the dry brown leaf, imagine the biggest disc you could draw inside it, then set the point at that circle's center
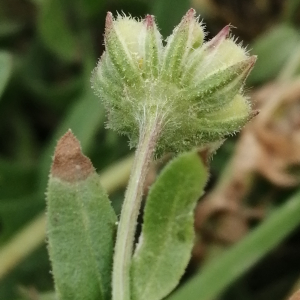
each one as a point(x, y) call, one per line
point(276, 133)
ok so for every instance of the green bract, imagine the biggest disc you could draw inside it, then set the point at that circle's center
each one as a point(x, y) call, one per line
point(190, 89)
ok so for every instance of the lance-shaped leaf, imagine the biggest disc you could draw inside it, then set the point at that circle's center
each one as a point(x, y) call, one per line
point(80, 225)
point(167, 237)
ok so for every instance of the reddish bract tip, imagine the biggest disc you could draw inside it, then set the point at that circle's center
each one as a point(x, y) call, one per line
point(190, 13)
point(189, 16)
point(224, 32)
point(247, 66)
point(220, 37)
point(149, 21)
point(69, 164)
point(251, 61)
point(108, 20)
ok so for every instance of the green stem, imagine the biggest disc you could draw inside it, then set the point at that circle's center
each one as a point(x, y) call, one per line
point(130, 211)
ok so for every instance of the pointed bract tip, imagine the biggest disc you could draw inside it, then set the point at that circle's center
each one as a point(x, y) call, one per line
point(149, 21)
point(220, 37)
point(224, 32)
point(246, 66)
point(187, 19)
point(69, 164)
point(108, 20)
point(250, 63)
point(191, 12)
point(189, 16)
point(253, 59)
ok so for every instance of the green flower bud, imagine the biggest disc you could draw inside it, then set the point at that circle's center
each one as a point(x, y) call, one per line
point(192, 89)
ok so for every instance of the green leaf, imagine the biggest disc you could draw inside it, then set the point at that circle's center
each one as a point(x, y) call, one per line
point(216, 276)
point(55, 31)
point(5, 70)
point(80, 224)
point(273, 49)
point(167, 237)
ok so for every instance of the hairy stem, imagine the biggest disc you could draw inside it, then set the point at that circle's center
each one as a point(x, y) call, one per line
point(130, 210)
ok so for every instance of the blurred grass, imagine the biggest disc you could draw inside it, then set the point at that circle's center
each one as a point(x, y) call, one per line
point(48, 49)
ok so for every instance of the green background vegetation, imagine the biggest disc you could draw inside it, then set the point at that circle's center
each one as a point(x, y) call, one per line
point(48, 49)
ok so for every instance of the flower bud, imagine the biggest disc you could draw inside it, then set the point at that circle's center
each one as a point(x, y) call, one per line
point(194, 89)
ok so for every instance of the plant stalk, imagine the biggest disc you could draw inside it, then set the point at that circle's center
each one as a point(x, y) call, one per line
point(130, 211)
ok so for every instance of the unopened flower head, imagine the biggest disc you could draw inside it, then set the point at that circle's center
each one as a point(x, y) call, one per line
point(191, 88)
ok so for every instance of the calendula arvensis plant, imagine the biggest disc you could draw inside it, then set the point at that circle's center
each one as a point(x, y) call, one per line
point(166, 96)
